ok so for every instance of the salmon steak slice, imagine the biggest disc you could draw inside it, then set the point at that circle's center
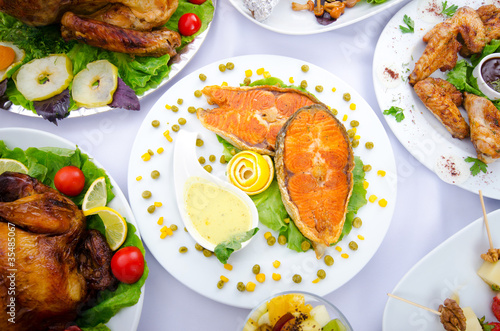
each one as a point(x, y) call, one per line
point(314, 163)
point(251, 117)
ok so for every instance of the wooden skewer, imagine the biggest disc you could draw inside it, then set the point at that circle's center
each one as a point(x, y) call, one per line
point(414, 303)
point(485, 217)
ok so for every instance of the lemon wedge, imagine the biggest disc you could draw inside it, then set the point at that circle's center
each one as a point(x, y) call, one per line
point(114, 224)
point(96, 195)
point(251, 172)
point(18, 57)
point(12, 165)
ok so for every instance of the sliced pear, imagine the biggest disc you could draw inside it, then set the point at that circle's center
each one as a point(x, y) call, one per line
point(43, 78)
point(471, 320)
point(18, 58)
point(94, 86)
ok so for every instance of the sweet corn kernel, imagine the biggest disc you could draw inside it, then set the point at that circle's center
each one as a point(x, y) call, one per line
point(334, 89)
point(291, 80)
point(168, 107)
point(160, 150)
point(352, 106)
point(316, 281)
point(267, 74)
point(360, 237)
point(248, 73)
point(267, 235)
point(276, 264)
point(286, 220)
point(169, 232)
point(261, 278)
point(138, 178)
point(166, 134)
point(158, 204)
point(250, 286)
point(146, 157)
point(260, 71)
point(160, 221)
point(357, 137)
point(163, 235)
point(224, 84)
point(344, 118)
point(228, 266)
point(344, 255)
point(372, 198)
point(365, 184)
point(276, 276)
point(382, 203)
point(381, 173)
point(338, 248)
point(164, 228)
point(224, 278)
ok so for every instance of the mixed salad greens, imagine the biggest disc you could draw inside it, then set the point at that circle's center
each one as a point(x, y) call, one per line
point(43, 163)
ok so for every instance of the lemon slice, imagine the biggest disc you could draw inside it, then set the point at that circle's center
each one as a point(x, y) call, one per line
point(96, 195)
point(114, 223)
point(251, 172)
point(12, 165)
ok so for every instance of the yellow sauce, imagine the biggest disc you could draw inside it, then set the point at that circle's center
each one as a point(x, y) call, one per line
point(216, 213)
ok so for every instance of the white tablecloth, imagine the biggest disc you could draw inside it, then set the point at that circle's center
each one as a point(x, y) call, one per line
point(427, 210)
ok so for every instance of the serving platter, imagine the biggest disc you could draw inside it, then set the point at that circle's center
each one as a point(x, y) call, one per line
point(449, 269)
point(202, 274)
point(126, 318)
point(420, 132)
point(287, 21)
point(177, 63)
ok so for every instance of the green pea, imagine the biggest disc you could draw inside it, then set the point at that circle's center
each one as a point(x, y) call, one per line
point(202, 77)
point(220, 284)
point(180, 101)
point(233, 152)
point(174, 108)
point(335, 111)
point(198, 247)
point(297, 278)
point(173, 227)
point(183, 249)
point(346, 97)
point(305, 68)
point(146, 194)
point(305, 245)
point(151, 209)
point(271, 240)
point(230, 66)
point(353, 245)
point(321, 274)
point(181, 121)
point(201, 159)
point(355, 143)
point(282, 240)
point(256, 269)
point(367, 167)
point(223, 159)
point(369, 145)
point(328, 260)
point(303, 84)
point(351, 133)
point(155, 123)
point(319, 88)
point(208, 168)
point(155, 174)
point(150, 152)
point(191, 110)
point(222, 67)
point(247, 81)
point(357, 222)
point(212, 158)
point(175, 128)
point(197, 93)
point(354, 123)
point(199, 142)
point(207, 253)
point(241, 287)
point(185, 230)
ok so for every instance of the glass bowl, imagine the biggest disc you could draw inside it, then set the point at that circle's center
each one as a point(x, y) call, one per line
point(310, 299)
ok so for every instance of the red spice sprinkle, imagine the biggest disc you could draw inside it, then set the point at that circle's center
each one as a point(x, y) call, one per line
point(392, 73)
point(451, 167)
point(434, 8)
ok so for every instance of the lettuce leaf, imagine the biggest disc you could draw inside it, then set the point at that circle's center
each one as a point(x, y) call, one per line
point(223, 250)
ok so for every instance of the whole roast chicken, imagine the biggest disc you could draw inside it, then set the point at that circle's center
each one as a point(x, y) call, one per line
point(127, 26)
point(50, 265)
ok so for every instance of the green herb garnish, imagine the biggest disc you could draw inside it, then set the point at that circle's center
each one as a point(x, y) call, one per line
point(448, 11)
point(396, 112)
point(223, 250)
point(410, 25)
point(477, 167)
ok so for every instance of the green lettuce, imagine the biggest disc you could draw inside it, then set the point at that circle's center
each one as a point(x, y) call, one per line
point(224, 249)
point(42, 164)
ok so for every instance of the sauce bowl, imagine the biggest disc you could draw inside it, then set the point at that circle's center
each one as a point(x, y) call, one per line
point(483, 86)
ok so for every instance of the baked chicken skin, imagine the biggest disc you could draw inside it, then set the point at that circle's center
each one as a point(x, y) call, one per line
point(58, 264)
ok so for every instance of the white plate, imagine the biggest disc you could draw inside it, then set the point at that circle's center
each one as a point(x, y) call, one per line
point(420, 132)
point(201, 274)
point(284, 20)
point(127, 318)
point(449, 268)
point(178, 63)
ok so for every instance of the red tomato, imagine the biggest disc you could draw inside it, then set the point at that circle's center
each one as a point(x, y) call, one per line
point(197, 2)
point(128, 264)
point(495, 307)
point(189, 24)
point(69, 180)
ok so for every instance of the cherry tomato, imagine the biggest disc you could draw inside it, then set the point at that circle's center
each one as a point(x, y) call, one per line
point(197, 2)
point(495, 307)
point(189, 24)
point(128, 264)
point(69, 180)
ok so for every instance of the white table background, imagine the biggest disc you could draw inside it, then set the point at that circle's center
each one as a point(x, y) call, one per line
point(427, 212)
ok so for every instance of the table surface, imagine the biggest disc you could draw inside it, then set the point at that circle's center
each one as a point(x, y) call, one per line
point(427, 211)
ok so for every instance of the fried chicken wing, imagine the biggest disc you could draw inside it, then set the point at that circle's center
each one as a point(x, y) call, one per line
point(490, 15)
point(437, 96)
point(484, 119)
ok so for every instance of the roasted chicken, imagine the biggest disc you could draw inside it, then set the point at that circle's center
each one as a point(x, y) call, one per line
point(128, 26)
point(490, 15)
point(57, 265)
point(443, 99)
point(484, 119)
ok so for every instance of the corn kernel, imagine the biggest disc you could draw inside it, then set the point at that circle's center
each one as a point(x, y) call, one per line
point(267, 74)
point(276, 264)
point(248, 73)
point(224, 278)
point(158, 204)
point(250, 286)
point(163, 235)
point(228, 266)
point(224, 84)
point(357, 137)
point(334, 89)
point(360, 237)
point(291, 80)
point(338, 248)
point(168, 107)
point(372, 198)
point(344, 118)
point(286, 220)
point(160, 150)
point(267, 235)
point(365, 184)
point(276, 276)
point(382, 203)
point(344, 255)
point(381, 173)
point(166, 134)
point(260, 71)
point(169, 232)
point(316, 281)
point(146, 157)
point(352, 106)
point(138, 178)
point(261, 278)
point(160, 221)
point(164, 228)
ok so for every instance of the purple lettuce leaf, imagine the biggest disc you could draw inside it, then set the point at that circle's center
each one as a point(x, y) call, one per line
point(4, 100)
point(55, 108)
point(124, 97)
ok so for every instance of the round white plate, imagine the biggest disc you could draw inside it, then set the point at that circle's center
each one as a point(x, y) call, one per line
point(178, 63)
point(287, 21)
point(127, 318)
point(420, 132)
point(450, 268)
point(201, 274)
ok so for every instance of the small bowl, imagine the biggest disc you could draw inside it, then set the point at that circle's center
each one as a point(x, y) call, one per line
point(310, 298)
point(483, 86)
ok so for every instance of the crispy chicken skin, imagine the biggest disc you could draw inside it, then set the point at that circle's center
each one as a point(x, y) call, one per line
point(484, 119)
point(443, 46)
point(49, 231)
point(437, 96)
point(490, 15)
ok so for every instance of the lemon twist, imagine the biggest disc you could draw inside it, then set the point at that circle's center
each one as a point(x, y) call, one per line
point(251, 172)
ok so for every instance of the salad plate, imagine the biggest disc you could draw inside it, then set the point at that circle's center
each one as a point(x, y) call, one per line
point(287, 21)
point(126, 318)
point(201, 273)
point(447, 270)
point(420, 132)
point(176, 64)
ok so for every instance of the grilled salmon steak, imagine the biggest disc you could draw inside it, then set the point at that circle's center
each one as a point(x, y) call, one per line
point(314, 163)
point(251, 117)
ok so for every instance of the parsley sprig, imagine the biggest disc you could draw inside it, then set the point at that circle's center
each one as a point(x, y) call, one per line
point(396, 112)
point(448, 11)
point(477, 165)
point(410, 25)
